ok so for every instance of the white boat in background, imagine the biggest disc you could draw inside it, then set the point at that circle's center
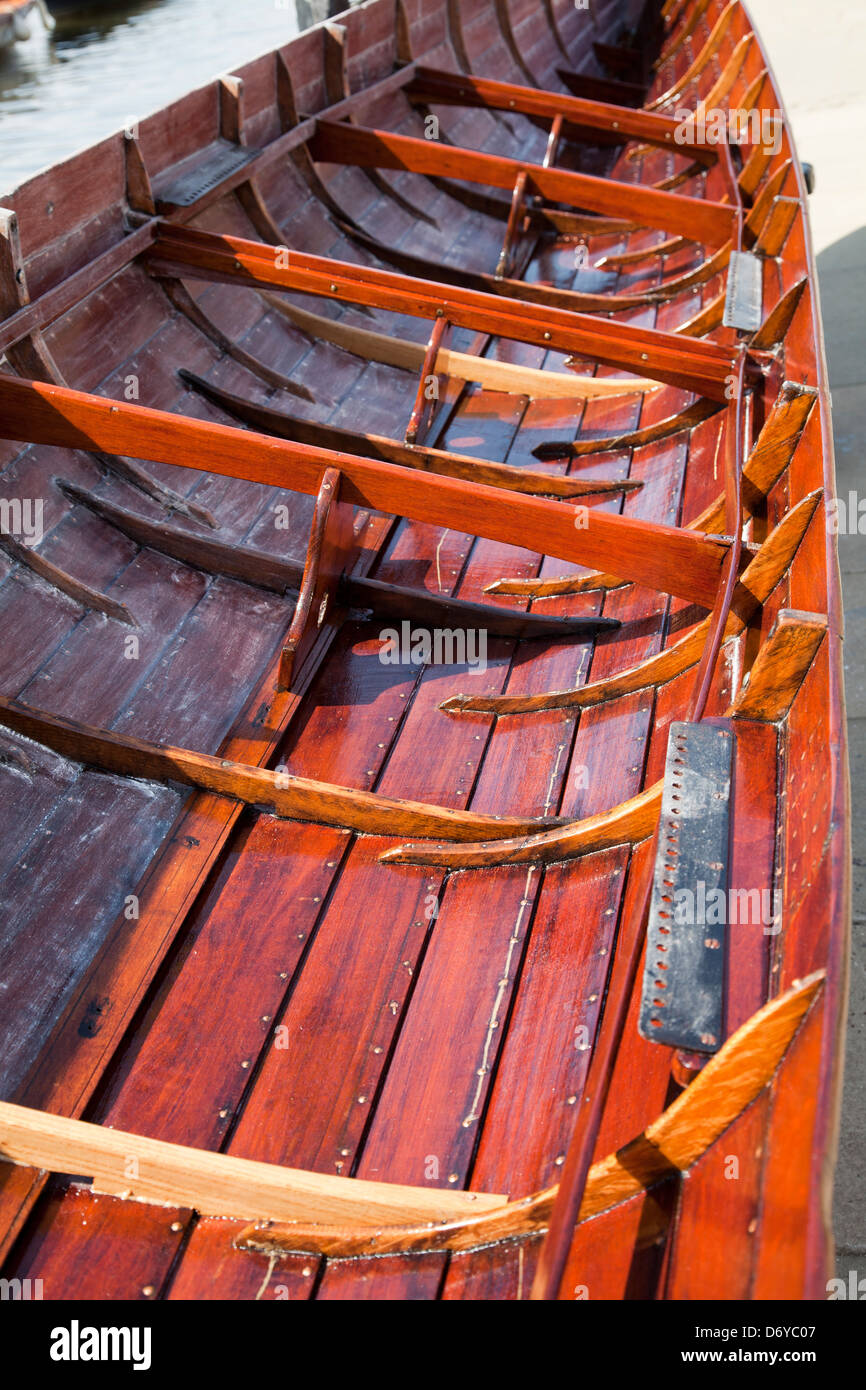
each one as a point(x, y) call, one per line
point(15, 17)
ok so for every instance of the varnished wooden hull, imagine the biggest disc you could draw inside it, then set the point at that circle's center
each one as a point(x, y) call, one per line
point(281, 386)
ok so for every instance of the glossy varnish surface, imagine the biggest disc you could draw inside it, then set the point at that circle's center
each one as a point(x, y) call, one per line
point(279, 993)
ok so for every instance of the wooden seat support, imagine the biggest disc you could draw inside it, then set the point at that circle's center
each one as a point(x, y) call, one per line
point(329, 554)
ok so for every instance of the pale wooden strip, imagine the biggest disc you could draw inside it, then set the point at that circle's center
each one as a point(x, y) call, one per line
point(215, 1184)
point(495, 376)
point(65, 583)
point(627, 824)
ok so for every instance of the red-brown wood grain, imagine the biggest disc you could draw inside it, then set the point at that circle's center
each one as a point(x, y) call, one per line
point(284, 995)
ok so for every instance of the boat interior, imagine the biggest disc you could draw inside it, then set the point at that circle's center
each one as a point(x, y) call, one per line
point(407, 484)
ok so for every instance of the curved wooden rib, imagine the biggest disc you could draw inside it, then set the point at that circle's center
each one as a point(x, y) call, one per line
point(265, 571)
point(672, 1144)
point(296, 1210)
point(760, 209)
point(715, 98)
point(691, 171)
point(717, 94)
point(494, 376)
point(553, 26)
point(507, 31)
point(709, 50)
point(378, 446)
point(774, 233)
point(291, 798)
point(655, 670)
point(754, 170)
point(65, 583)
point(627, 824)
point(752, 93)
point(631, 439)
point(772, 331)
point(545, 218)
point(212, 556)
point(575, 300)
point(780, 667)
point(678, 38)
point(669, 247)
point(709, 318)
point(146, 484)
point(766, 463)
point(712, 266)
point(508, 288)
point(186, 305)
point(756, 583)
point(777, 441)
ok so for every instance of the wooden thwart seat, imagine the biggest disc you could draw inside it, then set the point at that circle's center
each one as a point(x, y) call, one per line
point(705, 221)
point(693, 364)
point(683, 562)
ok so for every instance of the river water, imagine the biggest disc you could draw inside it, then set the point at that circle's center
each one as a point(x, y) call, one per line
point(105, 66)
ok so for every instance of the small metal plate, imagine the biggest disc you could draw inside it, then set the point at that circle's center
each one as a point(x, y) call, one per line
point(744, 300)
point(681, 1001)
point(223, 158)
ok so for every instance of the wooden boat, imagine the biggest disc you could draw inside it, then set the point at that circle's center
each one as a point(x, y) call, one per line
point(418, 586)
